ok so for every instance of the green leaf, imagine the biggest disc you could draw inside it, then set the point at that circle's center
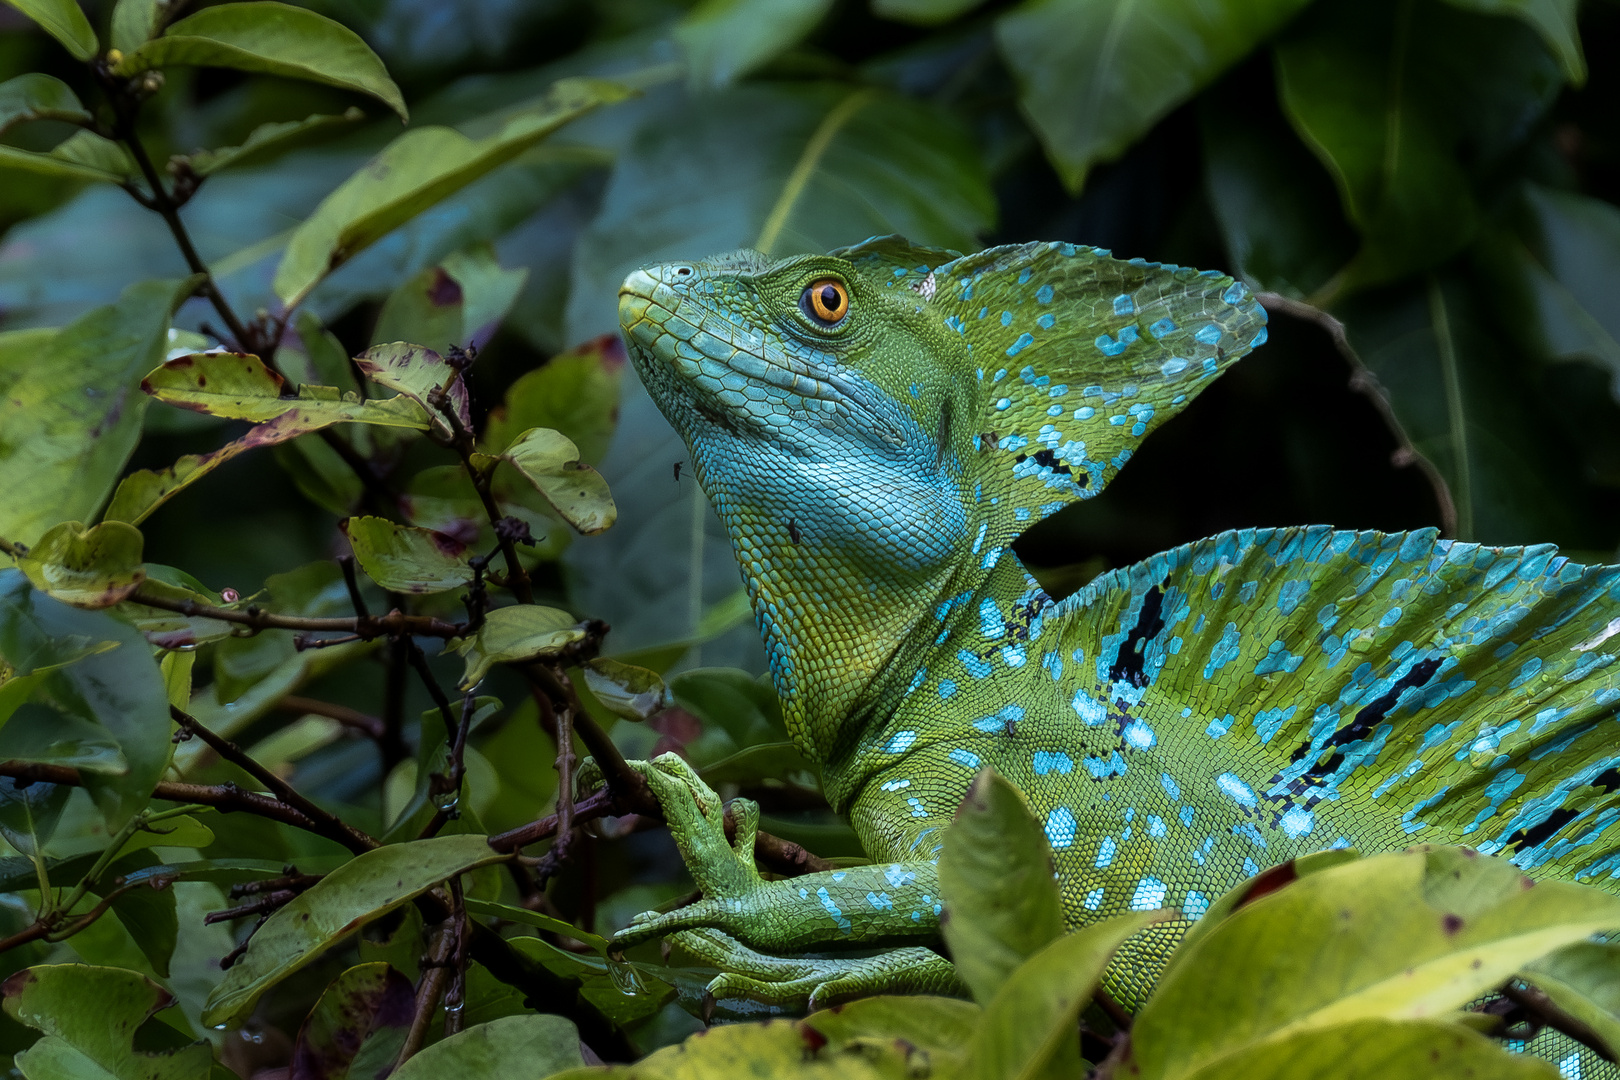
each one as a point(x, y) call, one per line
point(89, 1016)
point(362, 1016)
point(1584, 980)
point(1029, 1027)
point(1389, 98)
point(29, 815)
point(405, 559)
point(360, 890)
point(526, 917)
point(266, 139)
point(1095, 75)
point(576, 393)
point(726, 39)
point(91, 568)
point(514, 634)
point(134, 22)
point(1379, 1050)
point(120, 690)
point(170, 629)
point(73, 411)
point(427, 308)
point(417, 372)
point(550, 461)
point(1391, 937)
point(995, 875)
point(92, 151)
point(625, 690)
point(64, 21)
point(923, 12)
point(52, 165)
point(147, 912)
point(940, 1027)
point(488, 291)
point(509, 1046)
point(270, 39)
point(417, 170)
point(39, 97)
point(1554, 20)
point(238, 386)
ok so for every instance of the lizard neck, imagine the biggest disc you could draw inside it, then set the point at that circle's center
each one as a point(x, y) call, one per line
point(843, 563)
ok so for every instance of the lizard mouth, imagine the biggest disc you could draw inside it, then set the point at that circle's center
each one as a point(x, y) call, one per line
point(674, 334)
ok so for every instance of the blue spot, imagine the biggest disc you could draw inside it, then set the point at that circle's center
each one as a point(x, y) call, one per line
point(1236, 789)
point(1171, 788)
point(1173, 366)
point(1124, 305)
point(1250, 867)
point(1024, 341)
point(946, 688)
point(1291, 594)
point(1023, 277)
point(1048, 760)
point(1225, 651)
point(1105, 851)
point(1258, 339)
point(1197, 903)
point(990, 624)
point(1298, 822)
point(1186, 816)
point(1139, 735)
point(1208, 334)
point(917, 679)
point(1091, 711)
point(1047, 321)
point(1155, 825)
point(1235, 293)
point(1004, 403)
point(1084, 412)
point(1162, 327)
point(1220, 727)
point(975, 666)
point(1006, 318)
point(1149, 894)
point(1094, 899)
point(1044, 294)
point(1391, 617)
point(832, 909)
point(900, 742)
point(1060, 827)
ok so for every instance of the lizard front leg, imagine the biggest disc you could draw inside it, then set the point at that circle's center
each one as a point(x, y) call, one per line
point(861, 908)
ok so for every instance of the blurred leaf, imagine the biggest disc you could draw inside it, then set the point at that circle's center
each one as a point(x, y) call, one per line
point(417, 372)
point(39, 97)
point(54, 165)
point(367, 1008)
point(1554, 20)
point(365, 887)
point(775, 1050)
point(625, 690)
point(550, 461)
point(1584, 980)
point(97, 152)
point(72, 413)
point(170, 629)
point(119, 689)
point(940, 1027)
point(535, 1045)
point(91, 568)
point(995, 875)
point(89, 1016)
point(488, 292)
point(326, 353)
point(134, 22)
point(271, 39)
point(923, 12)
point(1029, 1028)
point(1554, 270)
point(264, 139)
point(28, 815)
point(64, 21)
point(735, 702)
point(415, 171)
point(319, 472)
point(763, 761)
point(405, 559)
point(575, 393)
point(535, 919)
point(1095, 75)
point(1393, 937)
point(513, 634)
point(1391, 97)
point(427, 308)
point(177, 668)
point(726, 39)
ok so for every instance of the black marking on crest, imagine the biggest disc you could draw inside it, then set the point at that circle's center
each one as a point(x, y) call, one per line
point(1133, 650)
point(1366, 720)
point(1537, 834)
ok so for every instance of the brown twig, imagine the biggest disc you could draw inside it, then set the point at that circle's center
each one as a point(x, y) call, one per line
point(462, 442)
point(371, 726)
point(1364, 382)
point(366, 627)
point(327, 824)
point(264, 905)
point(224, 797)
point(1543, 1010)
point(435, 970)
point(455, 996)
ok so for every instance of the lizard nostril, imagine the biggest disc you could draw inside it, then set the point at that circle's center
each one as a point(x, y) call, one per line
point(682, 271)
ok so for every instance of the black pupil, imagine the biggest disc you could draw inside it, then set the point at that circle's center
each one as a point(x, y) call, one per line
point(830, 300)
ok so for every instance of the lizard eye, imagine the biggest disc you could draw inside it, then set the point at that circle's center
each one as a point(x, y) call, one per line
point(826, 302)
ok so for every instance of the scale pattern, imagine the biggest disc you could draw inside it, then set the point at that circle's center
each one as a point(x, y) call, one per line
point(1177, 725)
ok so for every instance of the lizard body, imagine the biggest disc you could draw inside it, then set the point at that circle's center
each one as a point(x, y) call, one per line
point(876, 426)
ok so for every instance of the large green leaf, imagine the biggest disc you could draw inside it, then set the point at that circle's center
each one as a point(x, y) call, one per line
point(807, 168)
point(92, 568)
point(575, 393)
point(514, 634)
point(1095, 75)
point(405, 559)
point(38, 97)
point(1391, 937)
point(360, 1020)
point(64, 21)
point(1554, 20)
point(104, 680)
point(726, 39)
point(1379, 1050)
point(1584, 980)
point(995, 875)
point(549, 460)
point(503, 1048)
point(238, 386)
point(1391, 97)
point(271, 39)
point(89, 1016)
point(417, 170)
point(360, 890)
point(73, 410)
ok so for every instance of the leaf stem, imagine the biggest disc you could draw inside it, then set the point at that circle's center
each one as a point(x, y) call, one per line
point(366, 627)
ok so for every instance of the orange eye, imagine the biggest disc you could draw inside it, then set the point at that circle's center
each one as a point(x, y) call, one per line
point(825, 301)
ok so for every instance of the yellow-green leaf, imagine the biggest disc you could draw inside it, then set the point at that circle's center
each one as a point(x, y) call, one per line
point(89, 1016)
point(1379, 1050)
point(550, 461)
point(266, 138)
point(92, 568)
point(1584, 980)
point(416, 171)
point(239, 387)
point(403, 558)
point(64, 20)
point(625, 690)
point(416, 372)
point(514, 634)
point(511, 1046)
point(362, 889)
point(271, 39)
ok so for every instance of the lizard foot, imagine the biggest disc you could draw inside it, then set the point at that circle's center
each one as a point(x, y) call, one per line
point(815, 981)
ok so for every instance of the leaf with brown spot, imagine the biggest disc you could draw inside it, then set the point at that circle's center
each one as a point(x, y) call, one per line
point(550, 461)
point(89, 568)
point(404, 558)
point(357, 1027)
point(417, 372)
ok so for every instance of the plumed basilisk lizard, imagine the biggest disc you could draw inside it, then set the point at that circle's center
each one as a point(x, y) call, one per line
point(877, 425)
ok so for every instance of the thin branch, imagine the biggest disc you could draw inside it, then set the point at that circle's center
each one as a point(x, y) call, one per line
point(327, 824)
point(455, 996)
point(428, 992)
point(1363, 382)
point(224, 797)
point(462, 442)
point(372, 726)
point(1544, 1010)
point(598, 804)
point(352, 583)
point(365, 627)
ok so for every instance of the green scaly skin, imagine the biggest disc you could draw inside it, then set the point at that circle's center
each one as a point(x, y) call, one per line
point(1177, 725)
